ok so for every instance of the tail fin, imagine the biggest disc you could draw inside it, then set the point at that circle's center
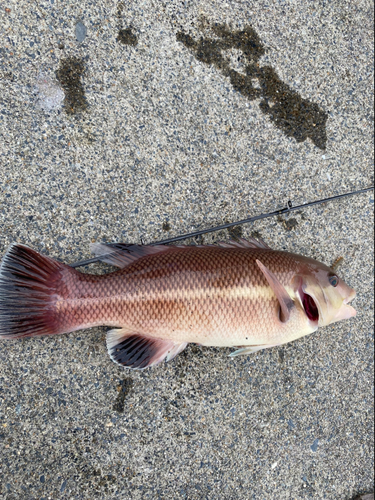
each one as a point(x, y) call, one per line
point(27, 287)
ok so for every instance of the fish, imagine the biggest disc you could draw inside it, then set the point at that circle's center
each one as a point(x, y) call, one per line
point(240, 294)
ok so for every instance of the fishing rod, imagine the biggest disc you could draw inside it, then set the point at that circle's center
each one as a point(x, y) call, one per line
point(289, 208)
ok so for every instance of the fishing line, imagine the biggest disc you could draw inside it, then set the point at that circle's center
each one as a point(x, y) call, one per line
point(289, 208)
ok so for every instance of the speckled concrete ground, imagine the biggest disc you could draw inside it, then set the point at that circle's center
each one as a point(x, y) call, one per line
point(145, 119)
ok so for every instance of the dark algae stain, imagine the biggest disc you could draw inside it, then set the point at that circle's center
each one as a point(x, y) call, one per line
point(69, 75)
point(296, 117)
point(123, 390)
point(127, 37)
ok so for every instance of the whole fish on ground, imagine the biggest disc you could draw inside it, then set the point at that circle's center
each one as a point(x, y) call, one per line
point(236, 294)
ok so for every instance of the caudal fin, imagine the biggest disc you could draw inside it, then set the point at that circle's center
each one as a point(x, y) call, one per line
point(27, 286)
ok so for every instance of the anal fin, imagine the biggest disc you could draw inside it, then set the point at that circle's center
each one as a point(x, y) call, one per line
point(137, 352)
point(250, 350)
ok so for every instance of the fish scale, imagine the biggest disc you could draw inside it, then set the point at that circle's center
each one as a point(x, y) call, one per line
point(204, 284)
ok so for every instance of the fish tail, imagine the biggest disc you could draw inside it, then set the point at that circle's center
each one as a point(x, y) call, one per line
point(28, 290)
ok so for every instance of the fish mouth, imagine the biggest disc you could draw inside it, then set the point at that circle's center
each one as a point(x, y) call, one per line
point(309, 305)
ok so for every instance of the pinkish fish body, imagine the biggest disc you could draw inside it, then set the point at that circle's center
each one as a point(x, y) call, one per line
point(239, 294)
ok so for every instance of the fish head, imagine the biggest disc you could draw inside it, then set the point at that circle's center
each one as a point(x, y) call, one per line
point(323, 295)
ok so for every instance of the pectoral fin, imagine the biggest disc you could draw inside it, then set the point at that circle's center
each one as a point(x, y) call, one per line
point(286, 303)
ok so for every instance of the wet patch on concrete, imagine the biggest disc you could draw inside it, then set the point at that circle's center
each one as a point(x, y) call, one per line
point(127, 37)
point(257, 235)
point(296, 117)
point(69, 75)
point(123, 389)
point(235, 232)
point(289, 224)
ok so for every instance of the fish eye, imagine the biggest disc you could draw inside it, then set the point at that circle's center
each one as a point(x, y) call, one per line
point(334, 281)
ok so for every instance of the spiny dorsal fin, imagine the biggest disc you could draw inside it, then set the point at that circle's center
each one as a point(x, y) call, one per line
point(242, 243)
point(137, 352)
point(123, 254)
point(286, 303)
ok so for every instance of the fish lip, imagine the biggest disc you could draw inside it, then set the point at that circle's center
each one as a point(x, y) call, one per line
point(350, 311)
point(351, 297)
point(346, 312)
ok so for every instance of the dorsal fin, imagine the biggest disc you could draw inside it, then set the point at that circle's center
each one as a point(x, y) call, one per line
point(242, 243)
point(123, 254)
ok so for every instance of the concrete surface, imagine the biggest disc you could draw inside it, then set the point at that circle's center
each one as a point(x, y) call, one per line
point(177, 116)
